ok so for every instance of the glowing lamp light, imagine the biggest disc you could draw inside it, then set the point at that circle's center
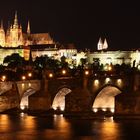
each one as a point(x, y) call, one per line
point(30, 74)
point(96, 82)
point(107, 80)
point(62, 108)
point(23, 77)
point(50, 75)
point(95, 110)
point(104, 109)
point(86, 72)
point(112, 110)
point(3, 78)
point(109, 68)
point(22, 107)
point(54, 107)
point(119, 81)
point(63, 72)
point(29, 84)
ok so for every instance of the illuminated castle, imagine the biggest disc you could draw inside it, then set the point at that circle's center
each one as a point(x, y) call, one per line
point(14, 36)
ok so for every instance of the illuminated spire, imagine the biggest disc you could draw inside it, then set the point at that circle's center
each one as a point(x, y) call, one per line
point(105, 45)
point(28, 28)
point(100, 44)
point(15, 21)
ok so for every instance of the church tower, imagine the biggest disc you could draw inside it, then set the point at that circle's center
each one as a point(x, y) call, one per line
point(14, 32)
point(105, 45)
point(2, 35)
point(100, 44)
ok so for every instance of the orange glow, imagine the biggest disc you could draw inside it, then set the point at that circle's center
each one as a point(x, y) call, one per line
point(63, 71)
point(23, 77)
point(95, 110)
point(107, 80)
point(119, 82)
point(50, 75)
point(3, 78)
point(109, 68)
point(86, 72)
point(96, 82)
point(30, 74)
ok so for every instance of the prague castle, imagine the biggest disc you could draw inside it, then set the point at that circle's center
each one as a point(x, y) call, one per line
point(13, 40)
point(14, 37)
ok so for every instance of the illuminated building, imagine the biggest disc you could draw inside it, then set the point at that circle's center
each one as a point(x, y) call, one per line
point(14, 37)
point(107, 57)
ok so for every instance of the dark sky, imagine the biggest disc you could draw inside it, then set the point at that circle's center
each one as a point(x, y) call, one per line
point(79, 21)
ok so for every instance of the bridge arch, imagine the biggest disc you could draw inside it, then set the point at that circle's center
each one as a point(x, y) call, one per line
point(105, 98)
point(24, 102)
point(59, 99)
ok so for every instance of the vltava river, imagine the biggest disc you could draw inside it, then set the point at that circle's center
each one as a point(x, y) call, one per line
point(25, 127)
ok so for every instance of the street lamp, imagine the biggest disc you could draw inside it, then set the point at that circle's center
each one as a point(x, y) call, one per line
point(86, 72)
point(23, 77)
point(3, 78)
point(29, 74)
point(63, 72)
point(50, 75)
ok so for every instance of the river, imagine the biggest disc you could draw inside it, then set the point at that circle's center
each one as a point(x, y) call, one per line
point(57, 127)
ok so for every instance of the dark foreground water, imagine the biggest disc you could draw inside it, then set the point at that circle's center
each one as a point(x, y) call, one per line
point(25, 127)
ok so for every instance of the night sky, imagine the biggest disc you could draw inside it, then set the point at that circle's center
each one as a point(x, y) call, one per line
point(79, 21)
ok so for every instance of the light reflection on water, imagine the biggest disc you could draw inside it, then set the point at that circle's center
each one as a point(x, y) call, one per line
point(25, 127)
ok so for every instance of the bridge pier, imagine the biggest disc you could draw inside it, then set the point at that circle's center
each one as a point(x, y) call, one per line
point(10, 99)
point(79, 100)
point(127, 105)
point(40, 101)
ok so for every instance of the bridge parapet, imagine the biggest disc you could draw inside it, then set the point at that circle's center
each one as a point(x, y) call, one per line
point(23, 86)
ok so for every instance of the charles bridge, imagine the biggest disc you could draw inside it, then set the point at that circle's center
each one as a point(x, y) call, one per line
point(91, 92)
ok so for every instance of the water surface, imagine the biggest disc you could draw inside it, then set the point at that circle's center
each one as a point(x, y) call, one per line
point(57, 127)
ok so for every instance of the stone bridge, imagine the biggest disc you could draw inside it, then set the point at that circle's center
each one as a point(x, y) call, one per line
point(75, 94)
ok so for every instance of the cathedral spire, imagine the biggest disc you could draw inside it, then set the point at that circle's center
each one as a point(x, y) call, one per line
point(28, 28)
point(15, 21)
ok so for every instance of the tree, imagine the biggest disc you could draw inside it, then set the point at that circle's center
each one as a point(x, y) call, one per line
point(14, 60)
